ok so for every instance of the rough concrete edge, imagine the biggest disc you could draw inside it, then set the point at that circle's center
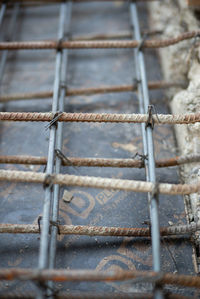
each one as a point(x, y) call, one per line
point(182, 62)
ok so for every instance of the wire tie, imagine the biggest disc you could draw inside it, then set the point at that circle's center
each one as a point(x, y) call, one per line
point(142, 158)
point(56, 224)
point(63, 84)
point(136, 81)
point(147, 222)
point(150, 121)
point(39, 223)
point(48, 181)
point(155, 191)
point(59, 45)
point(141, 44)
point(54, 120)
point(64, 159)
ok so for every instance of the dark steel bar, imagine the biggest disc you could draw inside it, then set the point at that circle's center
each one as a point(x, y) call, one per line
point(9, 36)
point(2, 11)
point(44, 243)
point(154, 214)
point(66, 10)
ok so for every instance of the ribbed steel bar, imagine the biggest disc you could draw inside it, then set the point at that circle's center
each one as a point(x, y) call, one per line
point(149, 145)
point(118, 44)
point(9, 36)
point(55, 116)
point(55, 1)
point(100, 162)
point(59, 141)
point(6, 228)
point(89, 91)
point(96, 182)
point(44, 243)
point(92, 295)
point(94, 275)
point(2, 11)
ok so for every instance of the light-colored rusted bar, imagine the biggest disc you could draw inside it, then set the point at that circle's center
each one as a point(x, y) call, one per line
point(97, 182)
point(101, 117)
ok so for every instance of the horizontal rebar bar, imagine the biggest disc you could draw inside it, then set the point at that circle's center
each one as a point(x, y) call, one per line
point(83, 295)
point(100, 162)
point(101, 117)
point(93, 275)
point(54, 1)
point(89, 91)
point(52, 44)
point(7, 228)
point(97, 182)
point(92, 295)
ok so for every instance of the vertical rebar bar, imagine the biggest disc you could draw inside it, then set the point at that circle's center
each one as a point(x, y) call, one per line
point(148, 145)
point(44, 243)
point(8, 37)
point(59, 141)
point(2, 12)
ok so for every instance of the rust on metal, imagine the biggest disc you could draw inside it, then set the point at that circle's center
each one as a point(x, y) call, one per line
point(52, 44)
point(101, 117)
point(7, 228)
point(99, 162)
point(93, 275)
point(89, 91)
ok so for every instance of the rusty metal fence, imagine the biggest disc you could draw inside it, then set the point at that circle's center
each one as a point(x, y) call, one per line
point(52, 179)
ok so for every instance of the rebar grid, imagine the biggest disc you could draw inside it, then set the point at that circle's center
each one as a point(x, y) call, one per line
point(53, 177)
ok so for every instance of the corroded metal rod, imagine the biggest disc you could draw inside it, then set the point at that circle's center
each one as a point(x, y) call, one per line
point(52, 44)
point(100, 162)
point(92, 295)
point(93, 275)
point(6, 228)
point(89, 91)
point(97, 182)
point(101, 117)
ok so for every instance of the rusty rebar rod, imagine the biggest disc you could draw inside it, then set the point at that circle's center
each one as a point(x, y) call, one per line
point(89, 91)
point(97, 182)
point(100, 162)
point(93, 275)
point(92, 295)
point(100, 117)
point(7, 228)
point(52, 44)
